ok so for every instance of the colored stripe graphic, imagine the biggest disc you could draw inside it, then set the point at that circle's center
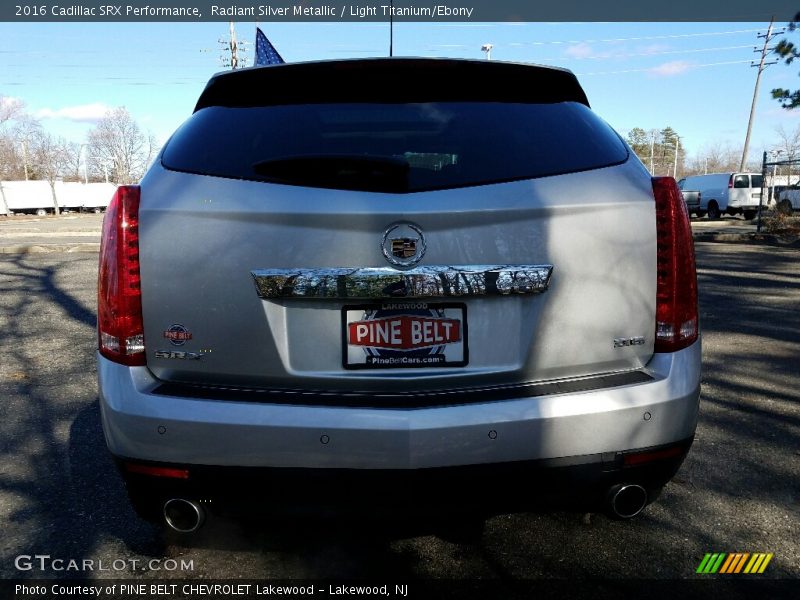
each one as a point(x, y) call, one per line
point(726, 566)
point(711, 563)
point(751, 564)
point(717, 564)
point(733, 563)
point(740, 564)
point(758, 563)
point(766, 562)
point(703, 563)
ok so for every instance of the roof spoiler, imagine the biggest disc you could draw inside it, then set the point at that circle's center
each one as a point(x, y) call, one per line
point(391, 80)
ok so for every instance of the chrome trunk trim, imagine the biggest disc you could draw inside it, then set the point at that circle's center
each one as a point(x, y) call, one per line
point(419, 282)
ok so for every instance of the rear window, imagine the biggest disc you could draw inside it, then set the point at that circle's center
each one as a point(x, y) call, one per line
point(406, 147)
point(757, 181)
point(741, 181)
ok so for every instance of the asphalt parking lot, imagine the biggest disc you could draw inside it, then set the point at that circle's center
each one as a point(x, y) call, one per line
point(738, 491)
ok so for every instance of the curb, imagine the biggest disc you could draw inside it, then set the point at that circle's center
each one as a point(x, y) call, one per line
point(769, 239)
point(49, 248)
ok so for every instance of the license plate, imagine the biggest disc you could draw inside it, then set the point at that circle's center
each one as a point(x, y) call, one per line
point(398, 335)
point(756, 195)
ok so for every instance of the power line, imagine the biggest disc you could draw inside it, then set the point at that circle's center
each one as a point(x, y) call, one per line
point(642, 38)
point(609, 40)
point(640, 54)
point(653, 69)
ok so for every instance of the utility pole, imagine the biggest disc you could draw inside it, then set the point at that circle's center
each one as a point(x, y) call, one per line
point(236, 49)
point(84, 153)
point(652, 152)
point(25, 158)
point(762, 64)
point(675, 166)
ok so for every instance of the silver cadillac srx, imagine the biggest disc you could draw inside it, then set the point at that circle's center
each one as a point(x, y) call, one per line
point(396, 282)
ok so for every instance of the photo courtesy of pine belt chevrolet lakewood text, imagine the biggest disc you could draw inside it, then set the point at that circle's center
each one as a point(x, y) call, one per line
point(417, 285)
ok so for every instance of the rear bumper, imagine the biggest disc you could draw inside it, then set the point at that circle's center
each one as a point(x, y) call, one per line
point(580, 482)
point(145, 426)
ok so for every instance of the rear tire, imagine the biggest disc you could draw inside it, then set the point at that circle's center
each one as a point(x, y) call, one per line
point(749, 215)
point(40, 212)
point(713, 211)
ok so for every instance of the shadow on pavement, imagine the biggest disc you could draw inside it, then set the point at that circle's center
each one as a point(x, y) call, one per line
point(738, 490)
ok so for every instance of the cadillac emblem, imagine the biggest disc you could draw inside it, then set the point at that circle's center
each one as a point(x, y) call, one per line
point(404, 247)
point(403, 244)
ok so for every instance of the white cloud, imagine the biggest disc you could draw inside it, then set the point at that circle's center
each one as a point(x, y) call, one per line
point(582, 50)
point(654, 49)
point(84, 113)
point(782, 113)
point(670, 69)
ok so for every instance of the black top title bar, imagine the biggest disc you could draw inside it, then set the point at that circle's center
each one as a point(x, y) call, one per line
point(400, 10)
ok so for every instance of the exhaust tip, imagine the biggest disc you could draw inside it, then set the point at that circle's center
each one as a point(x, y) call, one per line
point(183, 516)
point(627, 500)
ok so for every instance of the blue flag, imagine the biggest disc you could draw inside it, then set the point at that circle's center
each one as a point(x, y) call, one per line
point(265, 51)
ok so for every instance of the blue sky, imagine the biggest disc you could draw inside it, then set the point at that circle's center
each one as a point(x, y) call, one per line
point(694, 77)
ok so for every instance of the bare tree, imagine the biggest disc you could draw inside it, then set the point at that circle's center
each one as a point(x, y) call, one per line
point(715, 158)
point(51, 158)
point(118, 142)
point(26, 133)
point(10, 108)
point(788, 147)
point(7, 155)
point(72, 162)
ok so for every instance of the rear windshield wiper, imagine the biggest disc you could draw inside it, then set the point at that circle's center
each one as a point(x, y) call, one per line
point(350, 172)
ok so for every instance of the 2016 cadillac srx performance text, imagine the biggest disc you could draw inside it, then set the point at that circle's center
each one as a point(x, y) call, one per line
point(447, 278)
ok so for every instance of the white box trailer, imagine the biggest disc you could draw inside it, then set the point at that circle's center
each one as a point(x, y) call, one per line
point(36, 197)
point(93, 197)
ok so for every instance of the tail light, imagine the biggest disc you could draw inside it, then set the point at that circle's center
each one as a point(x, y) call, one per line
point(676, 293)
point(119, 290)
point(155, 471)
point(730, 182)
point(638, 458)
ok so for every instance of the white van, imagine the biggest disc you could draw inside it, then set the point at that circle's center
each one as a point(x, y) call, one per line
point(731, 193)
